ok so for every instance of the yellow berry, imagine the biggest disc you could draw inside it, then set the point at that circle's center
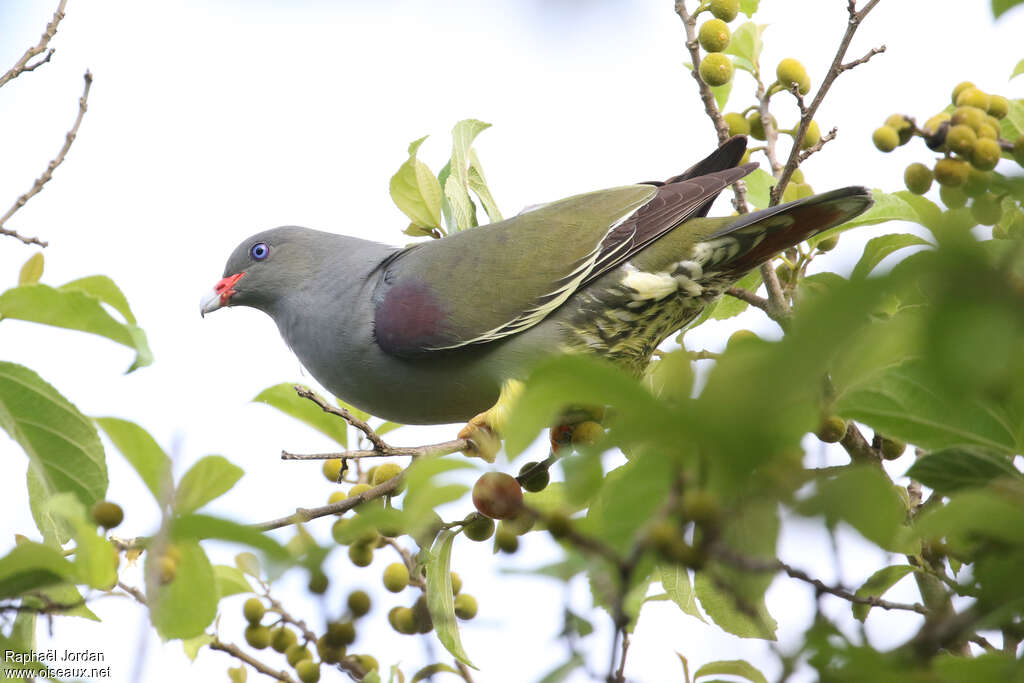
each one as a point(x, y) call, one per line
point(918, 178)
point(998, 106)
point(960, 88)
point(106, 514)
point(931, 126)
point(385, 472)
point(465, 606)
point(968, 116)
point(716, 69)
point(726, 10)
point(813, 135)
point(791, 72)
point(357, 489)
point(972, 97)
point(257, 636)
point(756, 128)
point(951, 172)
point(986, 154)
point(456, 583)
point(396, 577)
point(308, 671)
point(332, 470)
point(902, 126)
point(402, 620)
point(886, 138)
point(587, 433)
point(961, 139)
point(737, 124)
point(336, 497)
point(253, 610)
point(714, 35)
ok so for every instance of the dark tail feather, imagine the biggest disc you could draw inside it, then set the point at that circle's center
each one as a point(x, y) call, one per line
point(766, 233)
point(726, 156)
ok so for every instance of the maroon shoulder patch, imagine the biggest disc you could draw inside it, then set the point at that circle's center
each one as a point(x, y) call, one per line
point(410, 320)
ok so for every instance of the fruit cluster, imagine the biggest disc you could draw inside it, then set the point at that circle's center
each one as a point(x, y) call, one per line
point(972, 135)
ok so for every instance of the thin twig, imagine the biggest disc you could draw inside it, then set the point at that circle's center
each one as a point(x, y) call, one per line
point(857, 62)
point(444, 448)
point(132, 591)
point(857, 446)
point(237, 653)
point(816, 147)
point(22, 65)
point(48, 173)
point(346, 415)
point(749, 297)
point(302, 515)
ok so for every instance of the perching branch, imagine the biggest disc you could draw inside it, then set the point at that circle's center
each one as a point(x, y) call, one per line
point(23, 65)
point(239, 654)
point(48, 173)
point(302, 515)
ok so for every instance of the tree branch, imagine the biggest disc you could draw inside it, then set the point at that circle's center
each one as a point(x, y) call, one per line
point(237, 653)
point(48, 173)
point(22, 65)
point(302, 515)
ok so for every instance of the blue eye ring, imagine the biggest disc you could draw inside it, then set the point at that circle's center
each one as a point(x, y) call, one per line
point(259, 251)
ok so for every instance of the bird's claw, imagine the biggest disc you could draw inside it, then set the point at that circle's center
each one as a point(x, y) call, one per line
point(483, 441)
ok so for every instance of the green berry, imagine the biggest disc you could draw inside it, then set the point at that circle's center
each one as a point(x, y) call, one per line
point(951, 172)
point(737, 124)
point(340, 633)
point(918, 178)
point(465, 606)
point(282, 638)
point(339, 532)
point(832, 429)
point(968, 116)
point(886, 138)
point(716, 69)
point(998, 106)
point(891, 448)
point(726, 10)
point(827, 244)
point(932, 125)
point(358, 603)
point(367, 662)
point(106, 514)
point(714, 35)
point(329, 654)
point(952, 197)
point(1018, 150)
point(421, 615)
point(518, 525)
point(587, 433)
point(357, 489)
point(253, 610)
point(479, 529)
point(902, 126)
point(987, 209)
point(791, 72)
point(701, 506)
point(396, 577)
point(506, 540)
point(332, 470)
point(360, 554)
point(558, 523)
point(296, 653)
point(456, 583)
point(385, 472)
point(960, 88)
point(336, 497)
point(497, 495)
point(318, 583)
point(756, 129)
point(986, 155)
point(976, 183)
point(308, 671)
point(257, 636)
point(972, 97)
point(539, 477)
point(961, 138)
point(402, 620)
point(813, 135)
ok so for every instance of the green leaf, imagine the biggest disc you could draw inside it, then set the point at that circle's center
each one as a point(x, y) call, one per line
point(30, 566)
point(212, 476)
point(722, 608)
point(200, 527)
point(478, 183)
point(721, 93)
point(908, 402)
point(876, 586)
point(1012, 125)
point(283, 397)
point(748, 7)
point(746, 44)
point(64, 450)
point(676, 582)
point(32, 270)
point(971, 516)
point(95, 557)
point(628, 499)
point(248, 563)
point(879, 247)
point(562, 672)
point(734, 667)
point(142, 452)
point(62, 594)
point(440, 602)
point(964, 467)
point(230, 580)
point(193, 645)
point(1001, 6)
point(1017, 70)
point(431, 669)
point(457, 184)
point(890, 207)
point(104, 289)
point(416, 191)
point(75, 310)
point(842, 497)
point(759, 187)
point(186, 605)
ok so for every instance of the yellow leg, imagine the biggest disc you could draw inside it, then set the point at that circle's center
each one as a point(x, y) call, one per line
point(484, 431)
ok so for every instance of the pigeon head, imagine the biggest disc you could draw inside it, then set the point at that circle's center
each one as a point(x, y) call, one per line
point(263, 267)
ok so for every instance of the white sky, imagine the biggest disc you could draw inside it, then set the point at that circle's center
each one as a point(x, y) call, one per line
point(209, 121)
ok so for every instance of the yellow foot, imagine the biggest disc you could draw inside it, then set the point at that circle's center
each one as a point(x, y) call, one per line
point(484, 430)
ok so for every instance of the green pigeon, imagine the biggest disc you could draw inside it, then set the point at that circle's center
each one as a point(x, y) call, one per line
point(431, 333)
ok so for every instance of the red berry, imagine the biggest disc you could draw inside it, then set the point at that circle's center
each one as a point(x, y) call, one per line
point(497, 495)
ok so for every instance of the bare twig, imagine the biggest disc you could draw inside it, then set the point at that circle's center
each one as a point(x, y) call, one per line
point(23, 65)
point(857, 446)
point(306, 514)
point(754, 564)
point(239, 654)
point(344, 414)
point(443, 448)
point(749, 297)
point(48, 173)
point(838, 66)
point(816, 147)
point(133, 592)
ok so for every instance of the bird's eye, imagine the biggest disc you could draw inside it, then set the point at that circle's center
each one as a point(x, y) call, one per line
point(259, 251)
